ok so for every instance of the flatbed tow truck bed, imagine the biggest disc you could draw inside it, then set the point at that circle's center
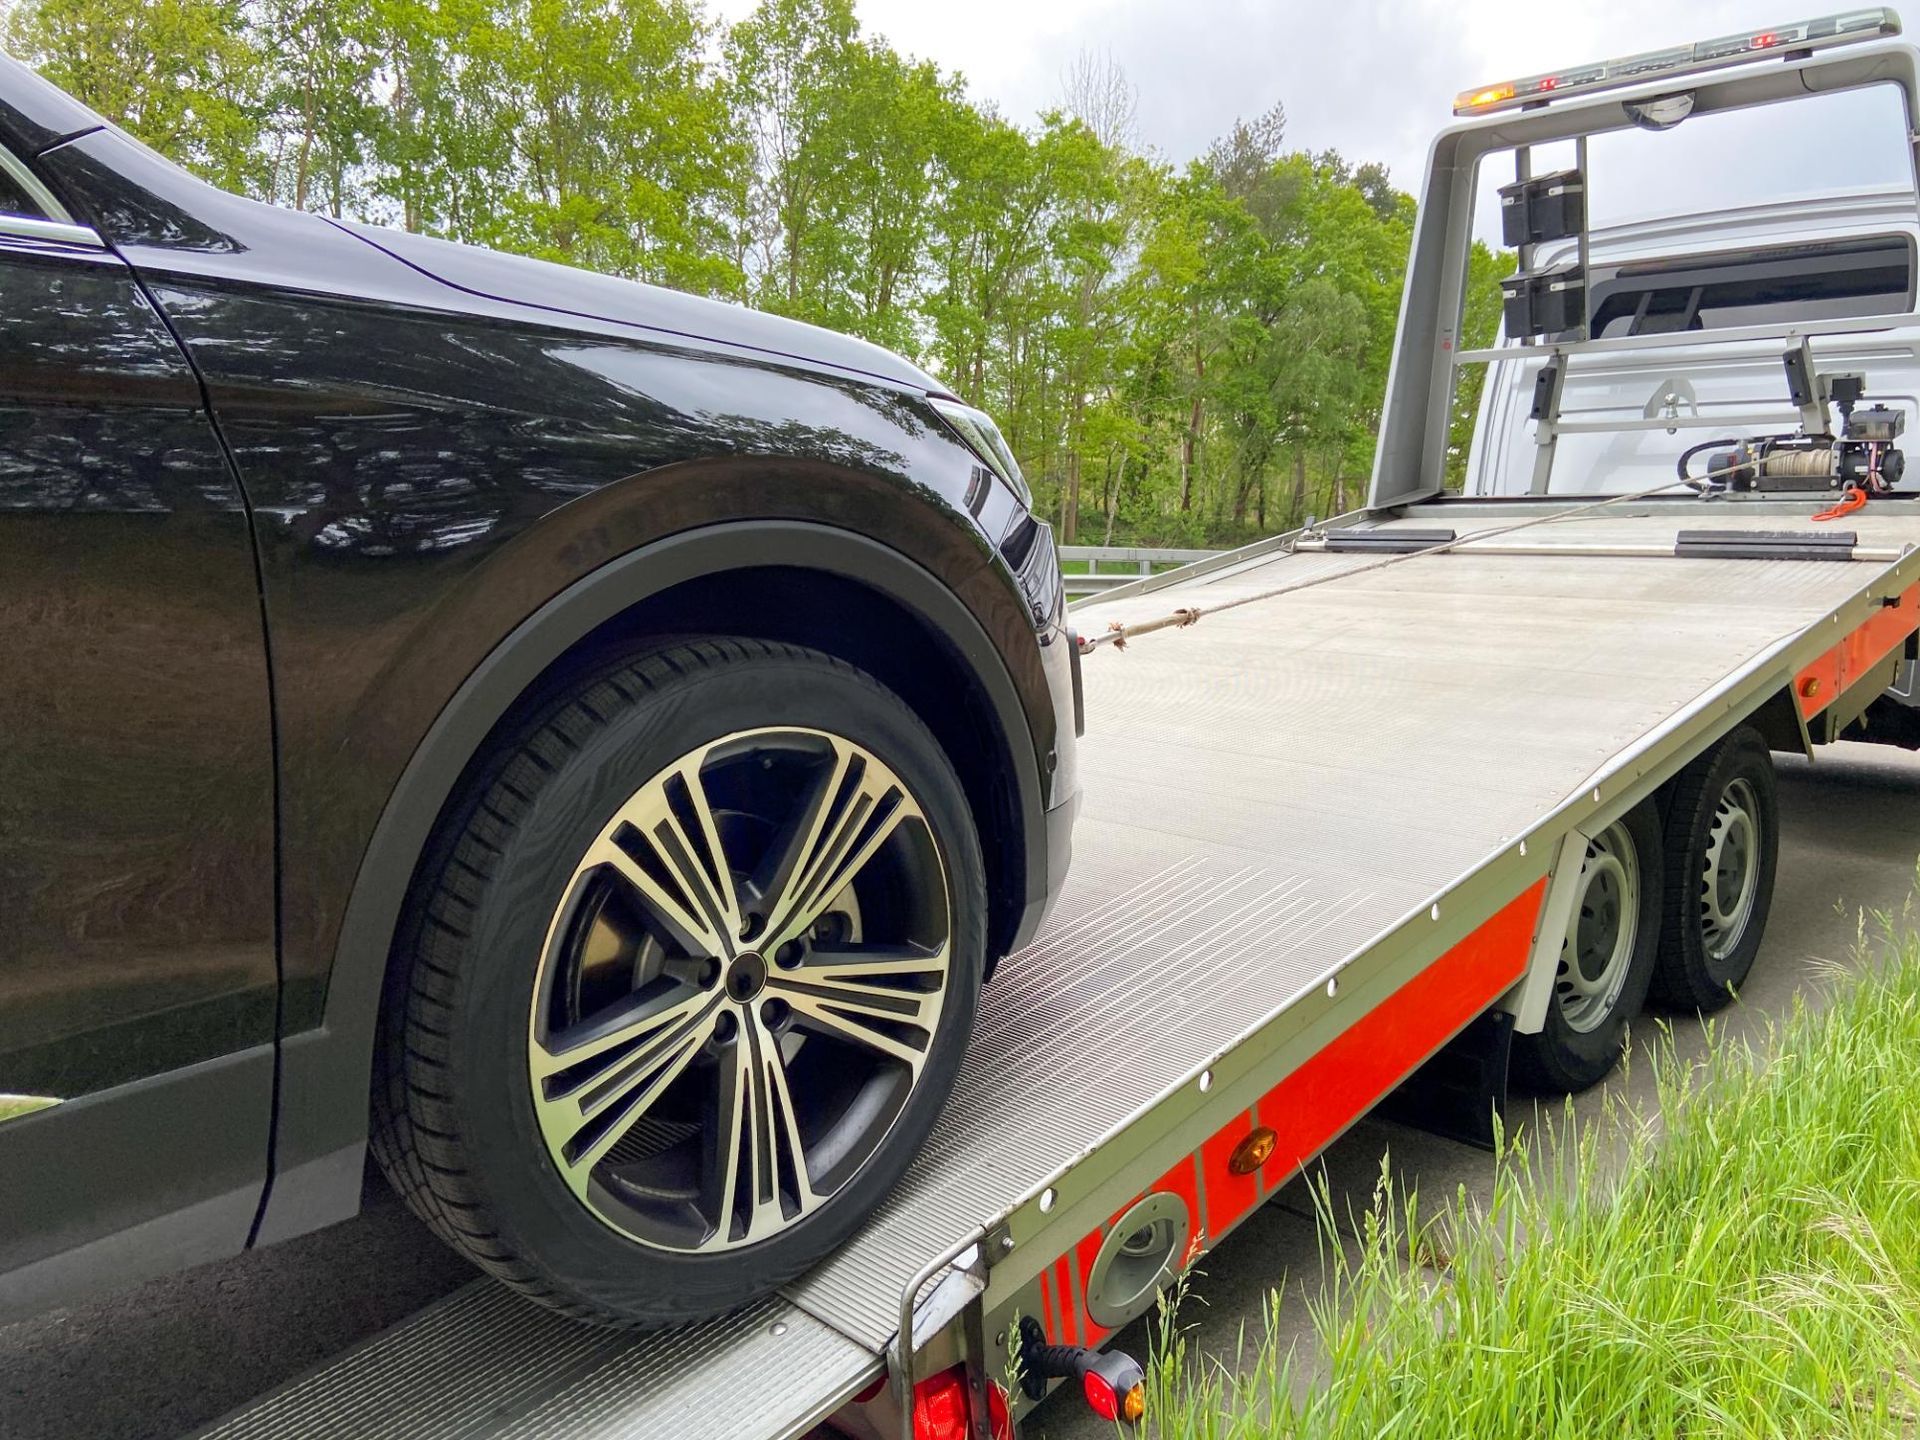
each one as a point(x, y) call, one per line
point(1316, 842)
point(1335, 826)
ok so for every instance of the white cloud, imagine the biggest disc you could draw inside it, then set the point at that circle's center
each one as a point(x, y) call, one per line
point(1371, 78)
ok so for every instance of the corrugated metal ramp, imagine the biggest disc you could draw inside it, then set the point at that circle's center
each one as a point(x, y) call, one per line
point(1265, 794)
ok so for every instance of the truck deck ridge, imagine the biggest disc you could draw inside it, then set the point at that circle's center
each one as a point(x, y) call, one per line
point(1315, 843)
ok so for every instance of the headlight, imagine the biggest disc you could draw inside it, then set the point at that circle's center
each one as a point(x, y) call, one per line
point(983, 437)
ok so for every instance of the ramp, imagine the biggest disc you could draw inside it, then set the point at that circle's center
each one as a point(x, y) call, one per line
point(1290, 809)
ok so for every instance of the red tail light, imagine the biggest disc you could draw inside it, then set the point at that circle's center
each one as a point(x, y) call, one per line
point(940, 1408)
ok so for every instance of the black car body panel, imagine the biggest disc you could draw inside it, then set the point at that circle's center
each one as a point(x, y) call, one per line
point(668, 315)
point(35, 114)
point(454, 472)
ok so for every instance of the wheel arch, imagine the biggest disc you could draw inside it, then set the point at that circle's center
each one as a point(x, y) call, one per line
point(914, 634)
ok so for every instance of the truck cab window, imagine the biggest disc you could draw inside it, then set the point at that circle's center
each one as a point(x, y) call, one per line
point(1824, 280)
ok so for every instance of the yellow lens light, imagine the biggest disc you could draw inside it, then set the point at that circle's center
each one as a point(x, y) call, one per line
point(1135, 1405)
point(1492, 95)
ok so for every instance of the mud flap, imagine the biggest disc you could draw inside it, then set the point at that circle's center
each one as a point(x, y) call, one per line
point(1461, 1093)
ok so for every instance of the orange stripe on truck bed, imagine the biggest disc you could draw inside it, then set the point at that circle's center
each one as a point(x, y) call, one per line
point(1334, 1088)
point(1870, 642)
point(1331, 1090)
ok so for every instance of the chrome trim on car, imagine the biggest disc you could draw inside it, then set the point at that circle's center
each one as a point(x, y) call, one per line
point(58, 232)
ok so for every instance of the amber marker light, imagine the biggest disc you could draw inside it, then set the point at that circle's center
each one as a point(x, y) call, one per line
point(1475, 99)
point(1252, 1152)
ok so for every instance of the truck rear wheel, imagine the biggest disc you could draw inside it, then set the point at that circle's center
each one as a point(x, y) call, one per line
point(685, 983)
point(1723, 841)
point(1606, 960)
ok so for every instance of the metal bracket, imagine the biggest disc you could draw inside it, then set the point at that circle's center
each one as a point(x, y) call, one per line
point(973, 1335)
point(962, 1273)
point(1803, 388)
point(1528, 1000)
point(1545, 415)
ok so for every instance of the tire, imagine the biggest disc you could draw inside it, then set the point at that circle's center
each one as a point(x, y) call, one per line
point(1606, 960)
point(574, 1050)
point(1723, 842)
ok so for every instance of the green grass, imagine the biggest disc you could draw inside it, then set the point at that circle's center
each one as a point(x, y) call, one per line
point(12, 1105)
point(1753, 1270)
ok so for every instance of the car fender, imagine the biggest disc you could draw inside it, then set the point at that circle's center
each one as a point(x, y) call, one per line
point(322, 1120)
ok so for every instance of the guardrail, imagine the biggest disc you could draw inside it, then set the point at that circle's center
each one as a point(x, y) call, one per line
point(1124, 564)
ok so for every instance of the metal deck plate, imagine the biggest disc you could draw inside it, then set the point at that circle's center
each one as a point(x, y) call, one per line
point(485, 1362)
point(1270, 790)
point(1266, 793)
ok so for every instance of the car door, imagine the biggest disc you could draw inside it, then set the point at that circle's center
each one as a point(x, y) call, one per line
point(137, 956)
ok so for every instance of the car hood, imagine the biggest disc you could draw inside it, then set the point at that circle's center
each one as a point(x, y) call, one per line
point(563, 290)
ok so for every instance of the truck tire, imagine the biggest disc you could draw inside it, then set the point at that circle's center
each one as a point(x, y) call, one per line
point(1722, 843)
point(684, 981)
point(1606, 960)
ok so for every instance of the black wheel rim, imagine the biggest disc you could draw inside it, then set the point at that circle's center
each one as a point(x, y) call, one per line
point(739, 989)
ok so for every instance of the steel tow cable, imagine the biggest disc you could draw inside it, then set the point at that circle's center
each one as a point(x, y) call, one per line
point(1117, 634)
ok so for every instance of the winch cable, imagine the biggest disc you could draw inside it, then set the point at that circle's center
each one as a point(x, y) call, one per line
point(1117, 634)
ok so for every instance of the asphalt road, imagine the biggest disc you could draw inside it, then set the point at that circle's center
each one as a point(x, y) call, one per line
point(161, 1360)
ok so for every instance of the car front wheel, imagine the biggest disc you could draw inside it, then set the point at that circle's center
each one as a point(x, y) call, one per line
point(686, 981)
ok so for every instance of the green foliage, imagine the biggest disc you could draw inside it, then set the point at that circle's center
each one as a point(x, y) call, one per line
point(1179, 355)
point(1742, 1264)
point(186, 76)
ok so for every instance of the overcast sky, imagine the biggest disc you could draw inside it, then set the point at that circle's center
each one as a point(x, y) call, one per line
point(1371, 78)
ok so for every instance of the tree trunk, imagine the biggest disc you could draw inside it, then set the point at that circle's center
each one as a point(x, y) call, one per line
point(302, 166)
point(1070, 499)
point(1296, 508)
point(1113, 499)
point(1189, 441)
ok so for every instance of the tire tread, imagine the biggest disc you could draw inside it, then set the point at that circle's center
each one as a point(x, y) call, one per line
point(415, 1135)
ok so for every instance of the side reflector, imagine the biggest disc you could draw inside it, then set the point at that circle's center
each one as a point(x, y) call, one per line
point(940, 1407)
point(1100, 1397)
point(1251, 1153)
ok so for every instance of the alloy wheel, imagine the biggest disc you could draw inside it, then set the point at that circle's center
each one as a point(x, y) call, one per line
point(739, 989)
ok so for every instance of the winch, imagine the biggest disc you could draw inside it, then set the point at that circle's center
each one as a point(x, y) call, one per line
point(1860, 458)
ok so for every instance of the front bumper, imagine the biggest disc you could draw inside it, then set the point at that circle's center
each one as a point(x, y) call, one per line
point(1061, 658)
point(1040, 905)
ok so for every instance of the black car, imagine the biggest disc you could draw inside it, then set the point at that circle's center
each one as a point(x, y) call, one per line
point(584, 743)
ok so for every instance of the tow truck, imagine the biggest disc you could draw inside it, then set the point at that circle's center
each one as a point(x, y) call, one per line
point(1349, 794)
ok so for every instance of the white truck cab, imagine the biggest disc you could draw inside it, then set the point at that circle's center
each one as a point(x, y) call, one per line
point(1767, 219)
point(1825, 255)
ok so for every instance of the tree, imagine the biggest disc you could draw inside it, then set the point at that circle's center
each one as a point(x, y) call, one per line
point(319, 114)
point(1191, 353)
point(596, 135)
point(183, 75)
